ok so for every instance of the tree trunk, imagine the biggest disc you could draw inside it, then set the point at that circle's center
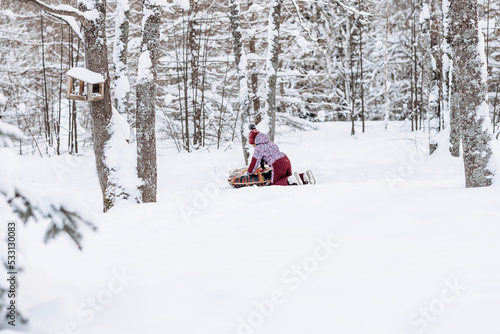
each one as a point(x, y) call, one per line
point(96, 60)
point(241, 73)
point(272, 66)
point(455, 126)
point(193, 48)
point(121, 83)
point(446, 69)
point(146, 97)
point(254, 72)
point(254, 79)
point(471, 74)
point(361, 74)
point(386, 77)
point(48, 135)
point(428, 104)
point(415, 104)
point(349, 78)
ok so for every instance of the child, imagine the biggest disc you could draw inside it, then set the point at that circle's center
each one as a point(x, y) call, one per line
point(269, 153)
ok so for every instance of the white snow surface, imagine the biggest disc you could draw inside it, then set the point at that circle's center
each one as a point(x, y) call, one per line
point(388, 241)
point(84, 74)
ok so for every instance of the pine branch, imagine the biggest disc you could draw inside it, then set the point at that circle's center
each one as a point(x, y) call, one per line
point(62, 220)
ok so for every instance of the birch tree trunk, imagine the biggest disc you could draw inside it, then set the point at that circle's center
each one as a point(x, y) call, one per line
point(146, 97)
point(429, 108)
point(121, 84)
point(241, 73)
point(471, 74)
point(361, 73)
point(254, 72)
point(446, 60)
point(269, 117)
point(193, 41)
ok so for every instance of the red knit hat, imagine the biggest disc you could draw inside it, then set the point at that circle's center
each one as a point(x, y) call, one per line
point(252, 135)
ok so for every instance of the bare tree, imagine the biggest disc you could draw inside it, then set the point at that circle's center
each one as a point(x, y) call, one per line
point(273, 49)
point(193, 50)
point(386, 77)
point(470, 74)
point(361, 73)
point(455, 106)
point(446, 57)
point(428, 84)
point(146, 97)
point(253, 69)
point(121, 83)
point(240, 60)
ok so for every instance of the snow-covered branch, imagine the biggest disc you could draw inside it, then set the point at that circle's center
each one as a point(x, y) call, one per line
point(64, 10)
point(72, 22)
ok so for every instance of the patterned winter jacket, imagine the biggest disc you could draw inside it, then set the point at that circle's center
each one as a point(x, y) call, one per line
point(264, 150)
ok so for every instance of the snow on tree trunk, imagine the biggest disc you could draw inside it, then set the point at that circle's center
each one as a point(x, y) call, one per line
point(348, 66)
point(193, 41)
point(386, 77)
point(269, 117)
point(96, 60)
point(446, 60)
point(241, 73)
point(454, 116)
point(454, 96)
point(429, 93)
point(469, 63)
point(121, 85)
point(146, 97)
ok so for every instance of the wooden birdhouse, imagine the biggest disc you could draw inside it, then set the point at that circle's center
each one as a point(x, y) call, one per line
point(84, 85)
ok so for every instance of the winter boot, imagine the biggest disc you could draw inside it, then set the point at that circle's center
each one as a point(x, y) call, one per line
point(309, 178)
point(295, 179)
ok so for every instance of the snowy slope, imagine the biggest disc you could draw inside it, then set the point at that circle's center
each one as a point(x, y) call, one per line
point(388, 241)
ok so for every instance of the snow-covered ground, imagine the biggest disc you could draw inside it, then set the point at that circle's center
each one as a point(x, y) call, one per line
point(388, 241)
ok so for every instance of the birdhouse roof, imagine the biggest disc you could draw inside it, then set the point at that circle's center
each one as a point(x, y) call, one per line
point(86, 75)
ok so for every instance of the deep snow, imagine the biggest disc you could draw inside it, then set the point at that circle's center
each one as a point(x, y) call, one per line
point(388, 241)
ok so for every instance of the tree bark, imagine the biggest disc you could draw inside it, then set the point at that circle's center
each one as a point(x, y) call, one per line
point(254, 72)
point(446, 68)
point(96, 60)
point(272, 66)
point(121, 83)
point(429, 108)
point(455, 107)
point(386, 77)
point(146, 97)
point(241, 73)
point(193, 47)
point(471, 74)
point(361, 74)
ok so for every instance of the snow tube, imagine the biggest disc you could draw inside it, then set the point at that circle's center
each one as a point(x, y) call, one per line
point(238, 179)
